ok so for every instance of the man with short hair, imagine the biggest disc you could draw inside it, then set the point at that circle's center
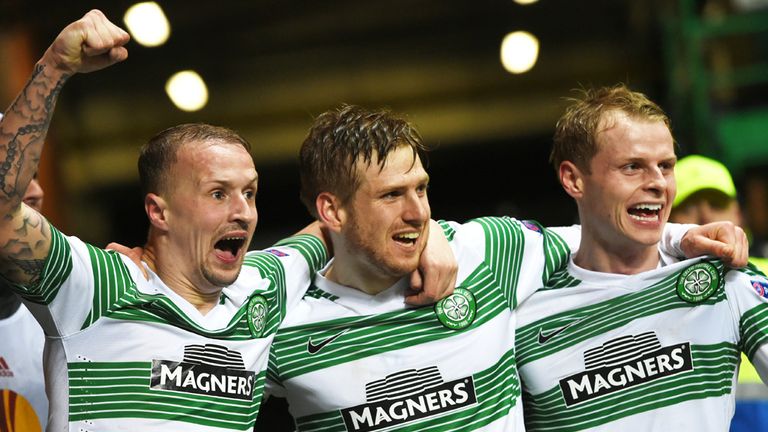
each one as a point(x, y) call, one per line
point(706, 193)
point(622, 337)
point(23, 405)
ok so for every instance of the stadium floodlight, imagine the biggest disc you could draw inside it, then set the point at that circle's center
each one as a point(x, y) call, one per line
point(187, 90)
point(147, 24)
point(519, 52)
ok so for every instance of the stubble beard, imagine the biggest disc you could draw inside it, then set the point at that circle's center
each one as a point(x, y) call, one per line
point(377, 258)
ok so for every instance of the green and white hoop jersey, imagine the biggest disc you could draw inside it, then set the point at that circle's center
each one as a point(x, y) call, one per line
point(654, 351)
point(125, 353)
point(349, 361)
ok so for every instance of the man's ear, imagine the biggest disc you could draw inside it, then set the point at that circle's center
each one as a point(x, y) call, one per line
point(155, 206)
point(330, 212)
point(572, 179)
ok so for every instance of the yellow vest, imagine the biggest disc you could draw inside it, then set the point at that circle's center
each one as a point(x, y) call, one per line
point(747, 372)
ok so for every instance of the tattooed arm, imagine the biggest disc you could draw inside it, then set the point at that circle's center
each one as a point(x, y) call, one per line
point(86, 45)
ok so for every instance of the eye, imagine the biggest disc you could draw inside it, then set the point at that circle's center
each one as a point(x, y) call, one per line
point(250, 194)
point(630, 167)
point(391, 194)
point(422, 189)
point(667, 166)
point(219, 195)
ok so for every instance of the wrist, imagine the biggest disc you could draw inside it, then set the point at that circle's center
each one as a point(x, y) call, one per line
point(52, 70)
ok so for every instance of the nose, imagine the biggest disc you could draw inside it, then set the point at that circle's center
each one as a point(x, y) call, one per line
point(656, 181)
point(417, 209)
point(243, 209)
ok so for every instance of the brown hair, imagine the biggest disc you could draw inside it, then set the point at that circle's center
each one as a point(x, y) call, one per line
point(159, 153)
point(338, 138)
point(576, 131)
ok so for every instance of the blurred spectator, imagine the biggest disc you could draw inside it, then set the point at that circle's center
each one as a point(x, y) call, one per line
point(23, 403)
point(706, 193)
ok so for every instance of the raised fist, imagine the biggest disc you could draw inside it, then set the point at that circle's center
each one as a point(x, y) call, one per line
point(88, 44)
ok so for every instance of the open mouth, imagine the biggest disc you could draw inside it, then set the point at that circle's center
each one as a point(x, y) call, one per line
point(228, 248)
point(407, 238)
point(645, 212)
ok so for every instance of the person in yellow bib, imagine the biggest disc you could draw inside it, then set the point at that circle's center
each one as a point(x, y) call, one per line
point(706, 193)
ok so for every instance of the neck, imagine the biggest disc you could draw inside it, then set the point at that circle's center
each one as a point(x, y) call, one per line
point(357, 275)
point(162, 261)
point(607, 257)
point(9, 303)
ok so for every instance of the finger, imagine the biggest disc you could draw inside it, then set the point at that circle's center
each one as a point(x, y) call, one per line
point(117, 247)
point(94, 43)
point(101, 35)
point(117, 54)
point(706, 246)
point(417, 299)
point(741, 252)
point(727, 233)
point(416, 281)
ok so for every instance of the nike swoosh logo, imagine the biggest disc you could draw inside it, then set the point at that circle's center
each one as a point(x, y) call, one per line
point(544, 338)
point(313, 348)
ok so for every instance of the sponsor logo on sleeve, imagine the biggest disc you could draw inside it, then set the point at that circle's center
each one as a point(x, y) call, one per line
point(5, 370)
point(406, 396)
point(531, 226)
point(208, 369)
point(761, 287)
point(624, 363)
point(276, 252)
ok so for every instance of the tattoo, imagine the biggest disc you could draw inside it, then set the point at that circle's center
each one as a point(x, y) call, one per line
point(23, 148)
point(32, 268)
point(25, 253)
point(31, 222)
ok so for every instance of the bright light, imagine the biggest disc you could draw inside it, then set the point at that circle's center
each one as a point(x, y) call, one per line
point(525, 2)
point(187, 90)
point(147, 24)
point(519, 51)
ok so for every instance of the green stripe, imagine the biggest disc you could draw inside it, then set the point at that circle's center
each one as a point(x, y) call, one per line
point(122, 390)
point(447, 230)
point(111, 280)
point(753, 329)
point(504, 246)
point(160, 309)
point(714, 367)
point(310, 247)
point(497, 390)
point(556, 254)
point(57, 268)
point(377, 334)
point(602, 317)
point(315, 292)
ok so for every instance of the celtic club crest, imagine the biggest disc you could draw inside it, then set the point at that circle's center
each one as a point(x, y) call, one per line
point(698, 282)
point(257, 315)
point(458, 310)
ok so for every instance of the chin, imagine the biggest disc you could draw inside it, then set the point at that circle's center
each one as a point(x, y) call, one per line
point(648, 239)
point(222, 280)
